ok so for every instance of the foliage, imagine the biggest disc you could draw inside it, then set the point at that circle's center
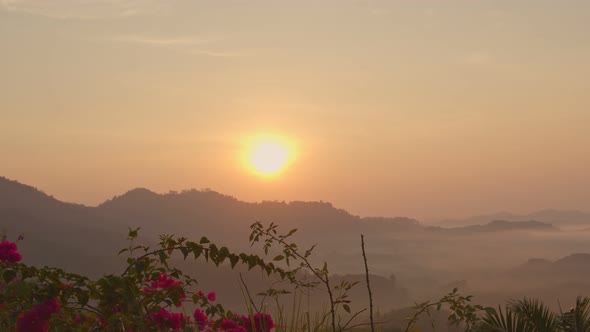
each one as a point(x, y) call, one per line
point(153, 295)
point(461, 311)
point(529, 315)
point(150, 294)
point(291, 254)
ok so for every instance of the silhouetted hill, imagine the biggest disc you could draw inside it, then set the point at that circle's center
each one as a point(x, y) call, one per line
point(574, 264)
point(498, 226)
point(198, 212)
point(14, 195)
point(56, 233)
point(193, 213)
point(392, 224)
point(550, 216)
point(71, 236)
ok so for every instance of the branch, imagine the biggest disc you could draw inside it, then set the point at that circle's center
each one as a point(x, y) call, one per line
point(248, 293)
point(368, 284)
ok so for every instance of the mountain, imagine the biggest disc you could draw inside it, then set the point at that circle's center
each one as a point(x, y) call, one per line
point(498, 226)
point(86, 239)
point(423, 259)
point(559, 218)
point(72, 232)
point(56, 233)
point(577, 264)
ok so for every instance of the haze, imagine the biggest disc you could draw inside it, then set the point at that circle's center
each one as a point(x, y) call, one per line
point(427, 109)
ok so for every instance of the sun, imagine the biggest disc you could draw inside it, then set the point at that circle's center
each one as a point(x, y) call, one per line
point(269, 156)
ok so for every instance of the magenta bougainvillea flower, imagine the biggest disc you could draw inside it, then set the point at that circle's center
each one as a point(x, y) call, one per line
point(262, 323)
point(165, 318)
point(9, 253)
point(163, 282)
point(201, 319)
point(37, 320)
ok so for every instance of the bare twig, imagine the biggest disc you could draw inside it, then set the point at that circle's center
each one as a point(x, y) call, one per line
point(423, 307)
point(368, 284)
point(352, 318)
point(248, 294)
point(365, 324)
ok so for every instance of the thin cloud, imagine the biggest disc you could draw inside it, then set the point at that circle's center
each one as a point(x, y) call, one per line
point(84, 9)
point(190, 45)
point(159, 41)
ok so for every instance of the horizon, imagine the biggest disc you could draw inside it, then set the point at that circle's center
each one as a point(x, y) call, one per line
point(188, 190)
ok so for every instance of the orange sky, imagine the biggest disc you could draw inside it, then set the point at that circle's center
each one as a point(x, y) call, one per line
point(427, 109)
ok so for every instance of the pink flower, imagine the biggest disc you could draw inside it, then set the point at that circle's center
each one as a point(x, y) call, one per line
point(211, 296)
point(49, 307)
point(201, 319)
point(9, 253)
point(228, 325)
point(37, 320)
point(262, 323)
point(31, 322)
point(164, 318)
point(164, 282)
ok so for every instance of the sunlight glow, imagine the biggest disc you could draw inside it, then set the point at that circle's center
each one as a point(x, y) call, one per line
point(268, 156)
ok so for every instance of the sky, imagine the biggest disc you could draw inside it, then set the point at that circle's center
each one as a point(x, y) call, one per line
point(428, 109)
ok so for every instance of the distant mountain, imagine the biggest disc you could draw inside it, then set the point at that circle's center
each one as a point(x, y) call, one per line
point(70, 235)
point(85, 239)
point(392, 224)
point(574, 264)
point(556, 217)
point(498, 226)
point(100, 231)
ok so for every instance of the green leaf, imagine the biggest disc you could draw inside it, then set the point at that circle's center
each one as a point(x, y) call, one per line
point(346, 308)
point(233, 259)
point(133, 233)
point(279, 258)
point(162, 256)
point(8, 275)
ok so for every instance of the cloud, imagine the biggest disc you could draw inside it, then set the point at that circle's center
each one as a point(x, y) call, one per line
point(159, 41)
point(190, 45)
point(84, 9)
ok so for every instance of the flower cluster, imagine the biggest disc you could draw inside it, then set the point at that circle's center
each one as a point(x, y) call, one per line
point(165, 318)
point(228, 325)
point(163, 282)
point(201, 320)
point(160, 291)
point(259, 322)
point(210, 296)
point(262, 323)
point(8, 252)
point(37, 319)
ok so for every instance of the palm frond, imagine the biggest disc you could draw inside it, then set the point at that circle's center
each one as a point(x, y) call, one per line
point(578, 318)
point(535, 314)
point(504, 321)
